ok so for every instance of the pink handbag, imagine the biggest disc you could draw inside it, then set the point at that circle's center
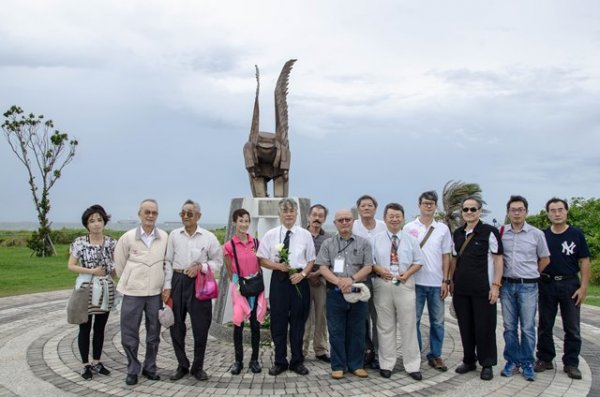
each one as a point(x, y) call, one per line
point(206, 286)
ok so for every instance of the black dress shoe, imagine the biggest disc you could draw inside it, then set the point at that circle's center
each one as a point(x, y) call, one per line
point(131, 379)
point(150, 376)
point(386, 373)
point(201, 375)
point(464, 368)
point(236, 368)
point(179, 373)
point(255, 366)
point(416, 375)
point(486, 373)
point(300, 369)
point(324, 357)
point(277, 369)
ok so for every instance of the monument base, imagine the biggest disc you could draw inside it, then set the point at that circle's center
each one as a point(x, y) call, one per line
point(264, 215)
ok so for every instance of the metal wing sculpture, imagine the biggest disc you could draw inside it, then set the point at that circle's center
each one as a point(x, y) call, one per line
point(266, 154)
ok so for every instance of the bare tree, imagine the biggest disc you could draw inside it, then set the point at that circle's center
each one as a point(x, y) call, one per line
point(453, 194)
point(44, 155)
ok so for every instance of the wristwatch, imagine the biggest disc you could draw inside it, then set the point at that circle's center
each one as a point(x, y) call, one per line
point(446, 281)
point(303, 274)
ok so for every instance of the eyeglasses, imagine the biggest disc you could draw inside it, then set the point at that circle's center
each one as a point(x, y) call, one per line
point(557, 210)
point(189, 214)
point(148, 212)
point(428, 203)
point(517, 210)
point(470, 209)
point(344, 220)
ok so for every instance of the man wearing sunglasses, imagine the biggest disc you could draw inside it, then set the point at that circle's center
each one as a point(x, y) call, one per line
point(476, 271)
point(139, 262)
point(525, 256)
point(191, 250)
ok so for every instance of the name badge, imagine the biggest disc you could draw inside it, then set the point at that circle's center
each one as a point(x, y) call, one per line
point(339, 264)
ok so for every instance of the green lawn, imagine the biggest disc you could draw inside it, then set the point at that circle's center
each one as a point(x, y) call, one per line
point(24, 274)
point(593, 295)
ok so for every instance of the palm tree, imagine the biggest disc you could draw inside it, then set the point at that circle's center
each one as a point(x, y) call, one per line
point(453, 194)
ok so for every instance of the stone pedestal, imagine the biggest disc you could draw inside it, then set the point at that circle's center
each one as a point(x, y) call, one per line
point(264, 215)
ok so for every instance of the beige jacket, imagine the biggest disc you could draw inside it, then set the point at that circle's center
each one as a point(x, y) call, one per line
point(140, 269)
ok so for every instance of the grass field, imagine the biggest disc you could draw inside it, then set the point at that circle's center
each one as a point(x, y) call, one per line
point(24, 274)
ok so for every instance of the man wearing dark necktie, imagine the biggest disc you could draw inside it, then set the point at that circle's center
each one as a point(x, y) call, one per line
point(289, 251)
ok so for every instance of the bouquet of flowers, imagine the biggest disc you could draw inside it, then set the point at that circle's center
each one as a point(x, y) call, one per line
point(284, 256)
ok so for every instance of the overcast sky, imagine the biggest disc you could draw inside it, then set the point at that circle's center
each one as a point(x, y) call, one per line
point(389, 98)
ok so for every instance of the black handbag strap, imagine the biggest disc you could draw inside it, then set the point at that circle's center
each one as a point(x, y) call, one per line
point(236, 258)
point(426, 237)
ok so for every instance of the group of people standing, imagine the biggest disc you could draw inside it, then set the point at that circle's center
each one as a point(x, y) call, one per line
point(154, 269)
point(352, 292)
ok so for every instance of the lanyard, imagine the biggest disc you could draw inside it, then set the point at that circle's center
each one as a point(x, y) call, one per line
point(347, 245)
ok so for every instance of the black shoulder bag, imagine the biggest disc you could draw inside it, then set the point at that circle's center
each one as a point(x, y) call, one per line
point(249, 286)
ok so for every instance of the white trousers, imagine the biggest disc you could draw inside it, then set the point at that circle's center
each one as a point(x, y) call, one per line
point(396, 311)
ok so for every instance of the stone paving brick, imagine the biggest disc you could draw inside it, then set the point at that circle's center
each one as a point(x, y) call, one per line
point(52, 358)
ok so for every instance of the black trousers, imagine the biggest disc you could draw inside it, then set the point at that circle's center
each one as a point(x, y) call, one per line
point(238, 333)
point(83, 340)
point(289, 310)
point(184, 302)
point(477, 324)
point(552, 295)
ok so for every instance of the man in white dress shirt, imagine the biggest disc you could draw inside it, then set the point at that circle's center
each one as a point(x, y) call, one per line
point(397, 258)
point(190, 250)
point(289, 251)
point(368, 227)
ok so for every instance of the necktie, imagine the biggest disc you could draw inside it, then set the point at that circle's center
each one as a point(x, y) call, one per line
point(286, 244)
point(394, 250)
point(286, 240)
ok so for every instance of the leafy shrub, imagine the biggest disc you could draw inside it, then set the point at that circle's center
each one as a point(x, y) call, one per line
point(595, 276)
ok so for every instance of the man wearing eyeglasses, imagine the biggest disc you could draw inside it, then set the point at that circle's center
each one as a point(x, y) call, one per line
point(432, 281)
point(289, 251)
point(139, 263)
point(525, 256)
point(476, 271)
point(396, 257)
point(345, 259)
point(560, 286)
point(191, 250)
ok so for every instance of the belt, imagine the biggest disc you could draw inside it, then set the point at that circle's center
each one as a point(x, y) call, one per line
point(520, 280)
point(179, 270)
point(559, 277)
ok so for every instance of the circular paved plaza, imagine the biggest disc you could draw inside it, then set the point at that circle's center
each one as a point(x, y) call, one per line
point(39, 357)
